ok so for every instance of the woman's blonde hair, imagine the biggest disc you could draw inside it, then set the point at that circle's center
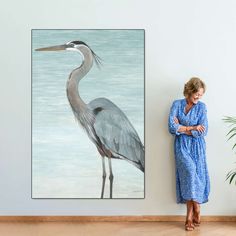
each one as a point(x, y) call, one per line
point(193, 86)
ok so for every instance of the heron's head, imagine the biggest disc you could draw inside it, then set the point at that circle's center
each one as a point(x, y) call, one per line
point(73, 46)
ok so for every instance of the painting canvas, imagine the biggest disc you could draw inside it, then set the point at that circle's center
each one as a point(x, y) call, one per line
point(88, 113)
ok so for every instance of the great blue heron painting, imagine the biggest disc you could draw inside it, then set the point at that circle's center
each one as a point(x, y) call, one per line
point(104, 121)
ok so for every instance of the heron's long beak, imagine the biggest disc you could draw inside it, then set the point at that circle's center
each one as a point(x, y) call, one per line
point(53, 48)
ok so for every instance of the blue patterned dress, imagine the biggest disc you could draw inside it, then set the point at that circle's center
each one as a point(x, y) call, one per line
point(192, 179)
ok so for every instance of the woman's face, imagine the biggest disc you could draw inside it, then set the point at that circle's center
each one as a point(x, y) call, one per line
point(194, 98)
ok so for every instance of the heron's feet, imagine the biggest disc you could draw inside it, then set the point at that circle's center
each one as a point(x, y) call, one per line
point(189, 226)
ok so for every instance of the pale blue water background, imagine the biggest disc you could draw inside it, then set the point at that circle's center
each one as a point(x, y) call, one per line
point(65, 164)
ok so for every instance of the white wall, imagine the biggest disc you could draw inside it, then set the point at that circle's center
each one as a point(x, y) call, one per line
point(183, 38)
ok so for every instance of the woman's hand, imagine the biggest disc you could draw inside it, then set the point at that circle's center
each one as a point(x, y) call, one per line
point(184, 129)
point(188, 133)
point(199, 128)
point(176, 120)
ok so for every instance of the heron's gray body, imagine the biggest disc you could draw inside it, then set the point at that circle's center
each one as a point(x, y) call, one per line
point(116, 133)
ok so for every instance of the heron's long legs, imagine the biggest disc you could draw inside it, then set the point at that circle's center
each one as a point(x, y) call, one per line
point(110, 177)
point(103, 176)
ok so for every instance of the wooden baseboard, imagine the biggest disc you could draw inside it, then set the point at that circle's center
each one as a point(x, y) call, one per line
point(146, 218)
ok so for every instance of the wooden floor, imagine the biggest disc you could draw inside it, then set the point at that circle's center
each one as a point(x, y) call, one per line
point(114, 229)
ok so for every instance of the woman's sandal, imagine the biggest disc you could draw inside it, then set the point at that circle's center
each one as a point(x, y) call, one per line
point(196, 219)
point(189, 226)
point(196, 216)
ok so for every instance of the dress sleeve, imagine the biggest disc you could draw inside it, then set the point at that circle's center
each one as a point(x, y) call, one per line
point(202, 121)
point(173, 127)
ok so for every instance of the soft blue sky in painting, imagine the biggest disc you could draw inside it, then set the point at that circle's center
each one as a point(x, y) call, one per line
point(65, 163)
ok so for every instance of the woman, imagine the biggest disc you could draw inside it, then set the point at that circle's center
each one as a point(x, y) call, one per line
point(188, 122)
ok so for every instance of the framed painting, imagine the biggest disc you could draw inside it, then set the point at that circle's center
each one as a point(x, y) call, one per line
point(88, 113)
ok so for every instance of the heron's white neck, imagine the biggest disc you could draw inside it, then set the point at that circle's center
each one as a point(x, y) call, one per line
point(77, 104)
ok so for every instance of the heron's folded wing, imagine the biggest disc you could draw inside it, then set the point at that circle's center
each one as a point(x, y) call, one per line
point(118, 135)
